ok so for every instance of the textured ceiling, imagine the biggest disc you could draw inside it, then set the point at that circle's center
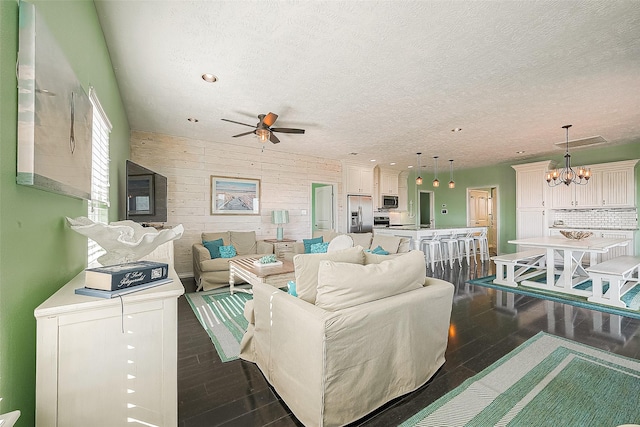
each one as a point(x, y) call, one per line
point(384, 79)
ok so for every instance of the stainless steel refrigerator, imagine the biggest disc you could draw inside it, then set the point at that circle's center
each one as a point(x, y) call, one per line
point(360, 210)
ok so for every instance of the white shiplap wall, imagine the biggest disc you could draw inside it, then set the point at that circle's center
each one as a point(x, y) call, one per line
point(188, 165)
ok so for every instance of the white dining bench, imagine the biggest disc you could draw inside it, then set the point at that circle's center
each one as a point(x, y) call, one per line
point(515, 267)
point(622, 275)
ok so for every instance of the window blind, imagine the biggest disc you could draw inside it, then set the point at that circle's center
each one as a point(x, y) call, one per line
point(98, 206)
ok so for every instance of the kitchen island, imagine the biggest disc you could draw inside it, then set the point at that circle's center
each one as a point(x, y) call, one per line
point(417, 234)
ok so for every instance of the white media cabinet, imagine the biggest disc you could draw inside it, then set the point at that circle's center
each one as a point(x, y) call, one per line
point(103, 362)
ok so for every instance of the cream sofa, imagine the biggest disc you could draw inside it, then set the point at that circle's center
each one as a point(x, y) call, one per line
point(214, 273)
point(391, 244)
point(361, 332)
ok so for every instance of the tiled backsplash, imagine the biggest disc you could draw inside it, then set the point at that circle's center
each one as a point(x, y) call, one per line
point(626, 219)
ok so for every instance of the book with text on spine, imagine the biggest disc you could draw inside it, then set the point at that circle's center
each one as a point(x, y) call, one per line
point(122, 276)
point(124, 291)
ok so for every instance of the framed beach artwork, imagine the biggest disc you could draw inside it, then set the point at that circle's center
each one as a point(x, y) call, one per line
point(55, 115)
point(235, 196)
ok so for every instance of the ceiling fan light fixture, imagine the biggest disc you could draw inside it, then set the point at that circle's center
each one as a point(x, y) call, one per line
point(263, 134)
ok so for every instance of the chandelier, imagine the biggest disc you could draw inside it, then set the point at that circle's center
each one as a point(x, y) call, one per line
point(567, 175)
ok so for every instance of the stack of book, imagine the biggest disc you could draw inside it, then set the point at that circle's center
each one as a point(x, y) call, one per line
point(121, 279)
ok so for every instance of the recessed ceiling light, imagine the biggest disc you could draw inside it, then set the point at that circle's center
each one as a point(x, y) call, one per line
point(372, 160)
point(392, 163)
point(193, 120)
point(208, 77)
point(410, 166)
point(520, 152)
point(456, 130)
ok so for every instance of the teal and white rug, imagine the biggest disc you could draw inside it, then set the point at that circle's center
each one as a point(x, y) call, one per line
point(222, 316)
point(631, 298)
point(547, 381)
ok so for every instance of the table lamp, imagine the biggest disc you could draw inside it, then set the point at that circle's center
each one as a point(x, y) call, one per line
point(280, 217)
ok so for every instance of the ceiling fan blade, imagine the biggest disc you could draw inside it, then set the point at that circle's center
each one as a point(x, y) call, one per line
point(287, 130)
point(243, 134)
point(270, 119)
point(273, 138)
point(238, 123)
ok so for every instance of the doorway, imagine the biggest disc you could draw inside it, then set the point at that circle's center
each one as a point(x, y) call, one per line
point(323, 206)
point(426, 213)
point(482, 210)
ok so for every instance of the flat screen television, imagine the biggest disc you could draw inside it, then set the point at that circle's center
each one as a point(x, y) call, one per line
point(146, 194)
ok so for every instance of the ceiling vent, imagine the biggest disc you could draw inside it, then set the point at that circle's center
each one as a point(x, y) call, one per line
point(584, 142)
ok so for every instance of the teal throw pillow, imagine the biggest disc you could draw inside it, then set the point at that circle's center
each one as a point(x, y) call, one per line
point(227, 251)
point(291, 285)
point(214, 247)
point(319, 248)
point(309, 242)
point(379, 251)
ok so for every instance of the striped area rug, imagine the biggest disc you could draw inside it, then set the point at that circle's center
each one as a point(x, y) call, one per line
point(547, 381)
point(631, 298)
point(221, 315)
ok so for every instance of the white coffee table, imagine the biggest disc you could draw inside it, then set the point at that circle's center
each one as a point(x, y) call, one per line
point(243, 268)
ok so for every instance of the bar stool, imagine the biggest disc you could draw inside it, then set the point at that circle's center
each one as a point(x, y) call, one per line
point(466, 246)
point(483, 245)
point(452, 248)
point(432, 249)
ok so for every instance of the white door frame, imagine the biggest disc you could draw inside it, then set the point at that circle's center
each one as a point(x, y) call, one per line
point(432, 211)
point(334, 202)
point(494, 212)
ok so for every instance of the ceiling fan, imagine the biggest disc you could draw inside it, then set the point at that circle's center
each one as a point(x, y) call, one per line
point(263, 129)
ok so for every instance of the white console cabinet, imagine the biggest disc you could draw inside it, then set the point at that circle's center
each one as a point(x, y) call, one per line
point(107, 362)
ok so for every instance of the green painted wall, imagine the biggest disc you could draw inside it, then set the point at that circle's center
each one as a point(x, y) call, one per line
point(38, 253)
point(503, 176)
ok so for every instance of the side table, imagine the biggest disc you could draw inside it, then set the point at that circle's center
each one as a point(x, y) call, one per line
point(281, 247)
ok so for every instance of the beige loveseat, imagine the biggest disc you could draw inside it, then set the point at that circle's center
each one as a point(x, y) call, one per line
point(214, 273)
point(358, 335)
point(391, 244)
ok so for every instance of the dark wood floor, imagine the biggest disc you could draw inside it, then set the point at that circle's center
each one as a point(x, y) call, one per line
point(485, 325)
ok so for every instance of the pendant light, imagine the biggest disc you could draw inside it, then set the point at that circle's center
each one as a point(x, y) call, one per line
point(436, 183)
point(452, 184)
point(567, 175)
point(419, 178)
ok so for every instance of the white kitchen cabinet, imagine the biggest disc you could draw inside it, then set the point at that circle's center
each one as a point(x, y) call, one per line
point(531, 199)
point(359, 179)
point(618, 250)
point(531, 187)
point(388, 183)
point(574, 196)
point(108, 362)
point(618, 185)
point(531, 223)
point(611, 185)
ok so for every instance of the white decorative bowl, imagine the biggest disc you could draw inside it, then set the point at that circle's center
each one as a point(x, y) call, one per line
point(576, 235)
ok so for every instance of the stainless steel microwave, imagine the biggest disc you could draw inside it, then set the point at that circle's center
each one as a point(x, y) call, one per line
point(389, 202)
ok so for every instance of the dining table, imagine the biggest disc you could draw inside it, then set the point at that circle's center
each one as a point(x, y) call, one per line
point(568, 272)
